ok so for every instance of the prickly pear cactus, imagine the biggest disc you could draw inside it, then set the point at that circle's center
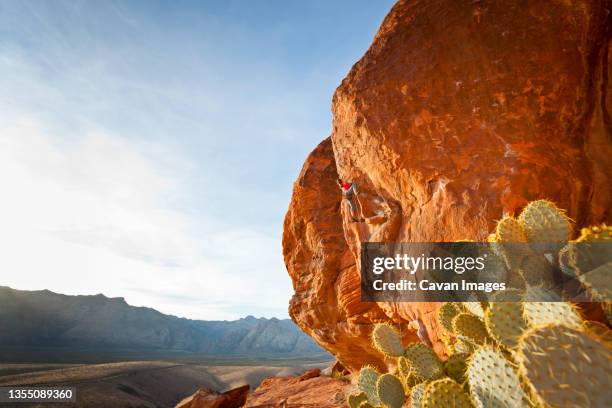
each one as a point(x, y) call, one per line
point(403, 367)
point(509, 230)
point(446, 314)
point(505, 322)
point(463, 345)
point(355, 400)
point(542, 221)
point(510, 238)
point(542, 313)
point(470, 326)
point(424, 362)
point(416, 395)
point(445, 393)
point(366, 383)
point(566, 367)
point(597, 281)
point(456, 366)
point(387, 340)
point(493, 382)
point(390, 391)
point(474, 308)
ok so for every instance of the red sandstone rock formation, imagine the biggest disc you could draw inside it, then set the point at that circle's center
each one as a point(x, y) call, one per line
point(459, 112)
point(308, 390)
point(205, 398)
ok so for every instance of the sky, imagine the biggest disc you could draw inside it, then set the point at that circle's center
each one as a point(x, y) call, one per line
point(148, 149)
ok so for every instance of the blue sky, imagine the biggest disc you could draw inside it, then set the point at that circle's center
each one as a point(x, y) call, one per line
point(148, 149)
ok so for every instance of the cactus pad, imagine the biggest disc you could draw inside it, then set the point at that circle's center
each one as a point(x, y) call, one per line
point(474, 308)
point(542, 221)
point(493, 382)
point(566, 367)
point(456, 366)
point(446, 313)
point(505, 323)
point(464, 345)
point(445, 393)
point(387, 340)
point(510, 238)
point(424, 362)
point(403, 367)
point(470, 326)
point(542, 313)
point(598, 282)
point(355, 400)
point(367, 384)
point(416, 395)
point(509, 230)
point(390, 391)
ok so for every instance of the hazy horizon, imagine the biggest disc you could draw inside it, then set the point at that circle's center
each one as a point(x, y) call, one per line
point(148, 150)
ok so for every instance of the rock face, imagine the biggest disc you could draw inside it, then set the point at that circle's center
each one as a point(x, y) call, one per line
point(308, 390)
point(460, 112)
point(205, 398)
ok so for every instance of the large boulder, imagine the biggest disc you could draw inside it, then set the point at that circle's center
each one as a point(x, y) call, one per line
point(460, 112)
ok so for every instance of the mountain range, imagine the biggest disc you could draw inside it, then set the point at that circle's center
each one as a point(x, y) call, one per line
point(47, 319)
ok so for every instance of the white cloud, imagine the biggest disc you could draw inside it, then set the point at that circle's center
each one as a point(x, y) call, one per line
point(95, 215)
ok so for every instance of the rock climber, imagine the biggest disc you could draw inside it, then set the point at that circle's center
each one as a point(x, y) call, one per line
point(350, 193)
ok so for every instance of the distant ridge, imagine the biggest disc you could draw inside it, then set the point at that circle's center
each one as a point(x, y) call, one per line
point(47, 319)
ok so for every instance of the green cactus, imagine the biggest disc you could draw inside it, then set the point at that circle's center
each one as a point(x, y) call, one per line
point(390, 391)
point(536, 269)
point(542, 221)
point(493, 382)
point(445, 393)
point(355, 400)
point(412, 380)
point(505, 322)
point(597, 282)
point(464, 345)
point(510, 238)
point(368, 376)
point(470, 326)
point(542, 313)
point(456, 366)
point(424, 362)
point(403, 367)
point(509, 230)
point(387, 340)
point(566, 367)
point(416, 395)
point(446, 314)
point(474, 308)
